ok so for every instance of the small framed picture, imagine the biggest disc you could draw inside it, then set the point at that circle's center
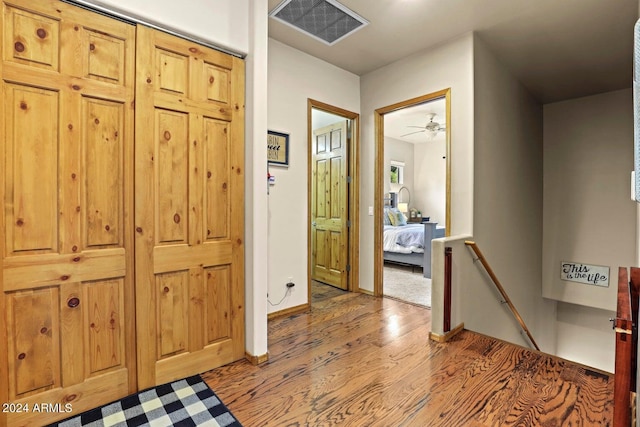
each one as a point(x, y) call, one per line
point(277, 148)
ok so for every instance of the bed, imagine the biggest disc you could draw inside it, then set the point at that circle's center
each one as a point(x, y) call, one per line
point(410, 243)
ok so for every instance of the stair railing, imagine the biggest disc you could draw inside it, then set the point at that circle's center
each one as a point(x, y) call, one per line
point(503, 293)
point(448, 255)
point(626, 328)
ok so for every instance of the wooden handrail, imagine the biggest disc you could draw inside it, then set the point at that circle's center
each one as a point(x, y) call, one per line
point(496, 282)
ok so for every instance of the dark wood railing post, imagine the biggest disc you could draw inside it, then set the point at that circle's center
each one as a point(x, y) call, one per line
point(448, 254)
point(635, 305)
point(626, 322)
point(622, 326)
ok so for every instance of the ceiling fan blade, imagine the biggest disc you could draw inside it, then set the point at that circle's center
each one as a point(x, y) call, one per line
point(411, 133)
point(419, 127)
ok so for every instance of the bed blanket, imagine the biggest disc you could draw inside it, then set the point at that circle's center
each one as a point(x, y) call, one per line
point(404, 239)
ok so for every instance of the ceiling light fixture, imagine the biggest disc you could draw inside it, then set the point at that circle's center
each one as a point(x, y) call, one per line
point(325, 20)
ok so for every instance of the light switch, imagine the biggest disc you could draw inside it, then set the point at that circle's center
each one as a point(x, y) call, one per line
point(370, 210)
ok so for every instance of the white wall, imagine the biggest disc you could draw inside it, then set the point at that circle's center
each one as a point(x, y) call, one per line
point(585, 335)
point(508, 195)
point(424, 175)
point(430, 180)
point(293, 78)
point(256, 266)
point(589, 216)
point(447, 66)
point(399, 151)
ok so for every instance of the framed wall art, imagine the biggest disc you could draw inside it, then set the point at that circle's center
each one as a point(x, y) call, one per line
point(277, 148)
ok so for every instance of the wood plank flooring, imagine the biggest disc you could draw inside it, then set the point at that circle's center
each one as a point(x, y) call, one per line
point(356, 360)
point(321, 291)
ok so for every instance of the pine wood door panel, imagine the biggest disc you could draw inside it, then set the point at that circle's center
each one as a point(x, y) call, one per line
point(107, 60)
point(218, 302)
point(171, 176)
point(104, 313)
point(31, 38)
point(173, 324)
point(173, 70)
point(31, 192)
point(32, 316)
point(329, 233)
point(189, 208)
point(216, 157)
point(103, 159)
point(218, 80)
point(66, 183)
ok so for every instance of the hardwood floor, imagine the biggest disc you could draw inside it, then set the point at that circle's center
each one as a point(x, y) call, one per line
point(321, 291)
point(357, 360)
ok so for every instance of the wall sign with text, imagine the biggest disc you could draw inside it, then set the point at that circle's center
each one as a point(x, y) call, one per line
point(277, 148)
point(595, 275)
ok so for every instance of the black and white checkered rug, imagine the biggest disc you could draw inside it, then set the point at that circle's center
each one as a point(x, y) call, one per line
point(188, 402)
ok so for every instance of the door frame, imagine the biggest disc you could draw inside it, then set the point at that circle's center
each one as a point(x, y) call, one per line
point(353, 276)
point(378, 257)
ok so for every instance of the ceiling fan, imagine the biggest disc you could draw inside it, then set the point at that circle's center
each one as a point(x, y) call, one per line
point(432, 128)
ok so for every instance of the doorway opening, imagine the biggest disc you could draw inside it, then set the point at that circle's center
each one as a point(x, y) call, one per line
point(412, 193)
point(333, 199)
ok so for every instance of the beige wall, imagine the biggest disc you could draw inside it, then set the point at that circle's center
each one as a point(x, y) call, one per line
point(589, 216)
point(446, 66)
point(402, 152)
point(430, 180)
point(513, 146)
point(293, 78)
point(584, 335)
point(425, 175)
point(255, 170)
point(508, 196)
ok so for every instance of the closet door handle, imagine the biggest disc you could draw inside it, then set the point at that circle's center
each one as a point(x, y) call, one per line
point(73, 302)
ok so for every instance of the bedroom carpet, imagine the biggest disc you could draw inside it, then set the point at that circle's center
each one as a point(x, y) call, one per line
point(403, 284)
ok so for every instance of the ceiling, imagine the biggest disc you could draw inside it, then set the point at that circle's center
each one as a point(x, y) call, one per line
point(558, 49)
point(397, 124)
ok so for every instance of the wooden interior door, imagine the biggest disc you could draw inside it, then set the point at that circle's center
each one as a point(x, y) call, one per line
point(66, 300)
point(329, 199)
point(189, 207)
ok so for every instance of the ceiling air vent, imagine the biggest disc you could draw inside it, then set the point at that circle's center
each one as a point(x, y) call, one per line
point(325, 20)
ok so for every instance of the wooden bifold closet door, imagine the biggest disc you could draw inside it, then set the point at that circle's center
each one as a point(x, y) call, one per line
point(189, 207)
point(121, 241)
point(66, 304)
